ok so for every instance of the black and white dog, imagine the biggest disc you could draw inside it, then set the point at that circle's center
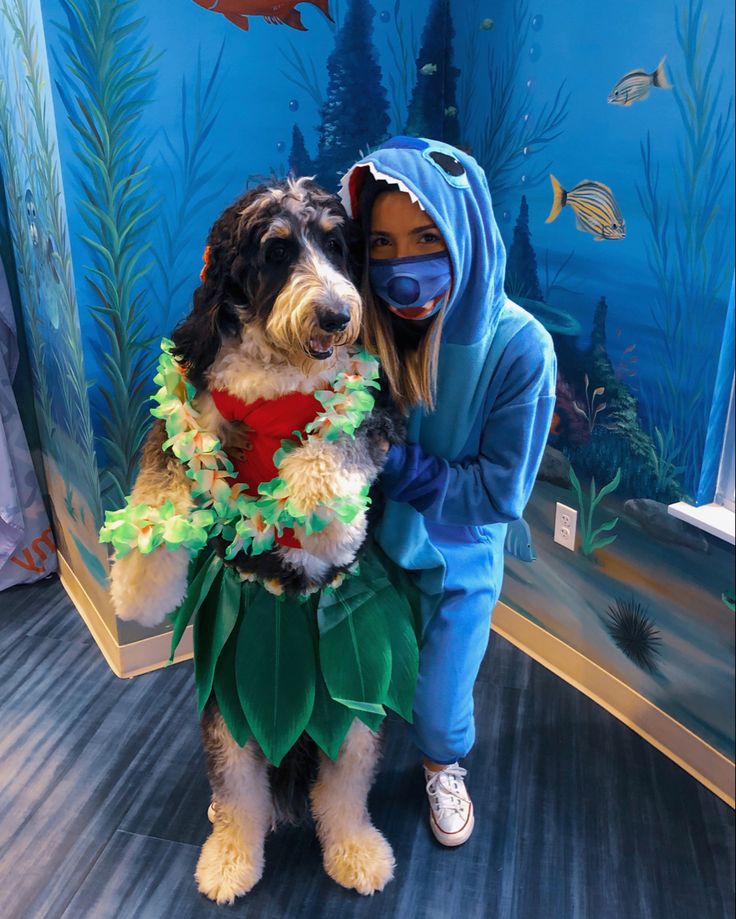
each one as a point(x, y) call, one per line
point(278, 311)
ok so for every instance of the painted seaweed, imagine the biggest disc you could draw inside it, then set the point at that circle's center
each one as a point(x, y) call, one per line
point(195, 183)
point(109, 82)
point(40, 154)
point(511, 130)
point(591, 537)
point(403, 46)
point(355, 114)
point(687, 251)
point(302, 73)
point(16, 214)
point(433, 108)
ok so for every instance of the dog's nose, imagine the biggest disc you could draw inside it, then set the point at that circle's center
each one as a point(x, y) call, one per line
point(333, 320)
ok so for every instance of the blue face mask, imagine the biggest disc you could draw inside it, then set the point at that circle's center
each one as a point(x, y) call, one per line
point(409, 284)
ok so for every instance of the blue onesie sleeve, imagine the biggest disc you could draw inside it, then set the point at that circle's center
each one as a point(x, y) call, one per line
point(494, 486)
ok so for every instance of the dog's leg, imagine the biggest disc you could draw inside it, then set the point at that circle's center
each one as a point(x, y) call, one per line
point(355, 853)
point(147, 587)
point(231, 860)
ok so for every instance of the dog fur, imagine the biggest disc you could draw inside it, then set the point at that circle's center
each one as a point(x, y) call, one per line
point(277, 312)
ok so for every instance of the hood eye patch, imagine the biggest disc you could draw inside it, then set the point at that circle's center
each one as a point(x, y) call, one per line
point(447, 163)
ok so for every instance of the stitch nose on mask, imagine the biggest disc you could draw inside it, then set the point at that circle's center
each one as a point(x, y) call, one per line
point(333, 320)
point(403, 289)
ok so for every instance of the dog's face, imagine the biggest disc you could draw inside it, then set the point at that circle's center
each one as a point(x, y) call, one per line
point(280, 264)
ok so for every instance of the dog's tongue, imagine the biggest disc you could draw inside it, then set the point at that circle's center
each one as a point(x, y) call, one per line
point(320, 344)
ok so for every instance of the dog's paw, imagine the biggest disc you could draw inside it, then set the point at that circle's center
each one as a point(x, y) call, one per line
point(147, 587)
point(226, 869)
point(362, 861)
point(312, 473)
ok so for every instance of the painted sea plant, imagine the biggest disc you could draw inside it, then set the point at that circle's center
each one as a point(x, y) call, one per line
point(302, 73)
point(688, 248)
point(433, 108)
point(108, 66)
point(510, 129)
point(355, 115)
point(16, 214)
point(197, 179)
point(403, 46)
point(592, 537)
point(39, 154)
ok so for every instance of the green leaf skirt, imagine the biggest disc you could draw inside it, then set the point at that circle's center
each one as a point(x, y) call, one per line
point(278, 666)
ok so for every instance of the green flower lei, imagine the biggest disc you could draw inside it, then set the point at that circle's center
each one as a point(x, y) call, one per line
point(246, 523)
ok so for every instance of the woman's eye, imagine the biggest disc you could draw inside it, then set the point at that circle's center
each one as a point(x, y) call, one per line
point(378, 241)
point(430, 237)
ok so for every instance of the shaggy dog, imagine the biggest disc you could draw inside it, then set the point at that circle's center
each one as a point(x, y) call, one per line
point(277, 312)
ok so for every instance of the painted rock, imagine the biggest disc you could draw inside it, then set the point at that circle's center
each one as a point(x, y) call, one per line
point(653, 518)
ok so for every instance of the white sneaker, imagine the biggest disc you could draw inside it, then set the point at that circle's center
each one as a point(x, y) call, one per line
point(450, 809)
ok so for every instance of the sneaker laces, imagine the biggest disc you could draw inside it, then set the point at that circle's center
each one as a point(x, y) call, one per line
point(443, 787)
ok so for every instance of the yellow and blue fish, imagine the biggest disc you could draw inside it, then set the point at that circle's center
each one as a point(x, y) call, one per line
point(636, 85)
point(596, 210)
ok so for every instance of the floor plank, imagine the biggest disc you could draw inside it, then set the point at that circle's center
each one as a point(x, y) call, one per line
point(103, 797)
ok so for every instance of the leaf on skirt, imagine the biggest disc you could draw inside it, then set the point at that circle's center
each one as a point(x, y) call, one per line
point(275, 672)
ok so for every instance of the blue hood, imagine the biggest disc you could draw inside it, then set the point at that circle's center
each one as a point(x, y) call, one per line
point(452, 188)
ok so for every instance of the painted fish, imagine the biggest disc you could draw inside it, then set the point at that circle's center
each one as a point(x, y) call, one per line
point(596, 210)
point(486, 25)
point(428, 69)
point(276, 12)
point(519, 541)
point(636, 85)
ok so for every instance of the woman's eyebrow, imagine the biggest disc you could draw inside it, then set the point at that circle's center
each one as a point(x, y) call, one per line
point(379, 233)
point(429, 226)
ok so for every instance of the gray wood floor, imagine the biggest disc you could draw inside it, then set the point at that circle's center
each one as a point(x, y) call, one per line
point(103, 799)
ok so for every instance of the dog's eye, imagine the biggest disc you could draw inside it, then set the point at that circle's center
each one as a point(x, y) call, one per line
point(276, 253)
point(333, 245)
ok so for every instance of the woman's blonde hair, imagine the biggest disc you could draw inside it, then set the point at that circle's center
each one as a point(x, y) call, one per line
point(409, 355)
point(409, 362)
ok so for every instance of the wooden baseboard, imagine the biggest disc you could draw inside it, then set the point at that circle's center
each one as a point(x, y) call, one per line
point(130, 659)
point(716, 771)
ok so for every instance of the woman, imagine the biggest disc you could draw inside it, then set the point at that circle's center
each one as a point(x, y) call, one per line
point(479, 373)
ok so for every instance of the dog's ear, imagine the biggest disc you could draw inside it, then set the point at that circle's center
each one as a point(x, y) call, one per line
point(214, 315)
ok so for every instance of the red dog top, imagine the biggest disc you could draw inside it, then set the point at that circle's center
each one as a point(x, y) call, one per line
point(271, 421)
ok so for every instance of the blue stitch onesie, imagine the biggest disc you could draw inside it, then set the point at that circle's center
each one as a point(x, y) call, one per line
point(468, 467)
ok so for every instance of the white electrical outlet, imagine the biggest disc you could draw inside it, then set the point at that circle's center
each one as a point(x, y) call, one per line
point(566, 521)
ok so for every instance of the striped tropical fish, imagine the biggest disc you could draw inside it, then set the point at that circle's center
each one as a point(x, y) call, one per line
point(636, 85)
point(596, 210)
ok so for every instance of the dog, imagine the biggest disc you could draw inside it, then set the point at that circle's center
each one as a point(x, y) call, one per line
point(279, 311)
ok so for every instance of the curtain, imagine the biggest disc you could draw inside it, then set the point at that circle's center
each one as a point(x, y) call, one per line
point(718, 413)
point(27, 550)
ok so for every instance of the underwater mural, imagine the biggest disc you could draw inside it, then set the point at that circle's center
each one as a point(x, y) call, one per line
point(633, 285)
point(610, 162)
point(44, 282)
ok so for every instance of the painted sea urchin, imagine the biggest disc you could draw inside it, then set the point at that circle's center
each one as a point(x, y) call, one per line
point(629, 625)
